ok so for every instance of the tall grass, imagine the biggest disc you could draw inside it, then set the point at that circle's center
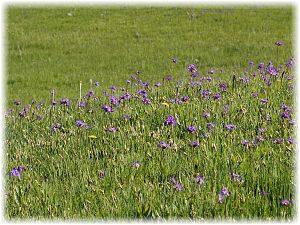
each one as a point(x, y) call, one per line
point(84, 169)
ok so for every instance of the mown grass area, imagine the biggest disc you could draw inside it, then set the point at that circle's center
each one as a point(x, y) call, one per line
point(207, 136)
point(56, 47)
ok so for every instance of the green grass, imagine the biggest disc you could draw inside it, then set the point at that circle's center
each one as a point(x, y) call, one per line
point(47, 49)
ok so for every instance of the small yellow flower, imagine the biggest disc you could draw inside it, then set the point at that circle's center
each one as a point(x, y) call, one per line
point(166, 104)
point(92, 136)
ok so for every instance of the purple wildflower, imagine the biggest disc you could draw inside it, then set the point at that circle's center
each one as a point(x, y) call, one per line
point(284, 107)
point(146, 101)
point(65, 102)
point(191, 129)
point(279, 43)
point(290, 63)
point(55, 127)
point(263, 193)
point(225, 112)
point(185, 98)
point(96, 83)
point(291, 141)
point(194, 144)
point(141, 92)
point(113, 88)
point(194, 75)
point(260, 138)
point(53, 102)
point(174, 60)
point(205, 93)
point(178, 187)
point(82, 104)
point(285, 115)
point(264, 101)
point(112, 129)
point(267, 118)
point(135, 165)
point(245, 142)
point(199, 179)
point(217, 96)
point(90, 94)
point(102, 174)
point(192, 68)
point(173, 180)
point(107, 108)
point(261, 66)
point(15, 172)
point(206, 115)
point(210, 125)
point(157, 84)
point(163, 145)
point(209, 79)
point(17, 102)
point(292, 122)
point(235, 177)
point(168, 78)
point(206, 135)
point(278, 141)
point(286, 202)
point(211, 72)
point(224, 193)
point(113, 100)
point(171, 120)
point(125, 96)
point(246, 79)
point(230, 127)
point(251, 63)
point(81, 124)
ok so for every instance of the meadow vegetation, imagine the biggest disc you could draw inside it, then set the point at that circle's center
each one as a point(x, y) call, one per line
point(151, 113)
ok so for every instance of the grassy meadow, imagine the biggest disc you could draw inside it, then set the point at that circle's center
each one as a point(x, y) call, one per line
point(150, 113)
